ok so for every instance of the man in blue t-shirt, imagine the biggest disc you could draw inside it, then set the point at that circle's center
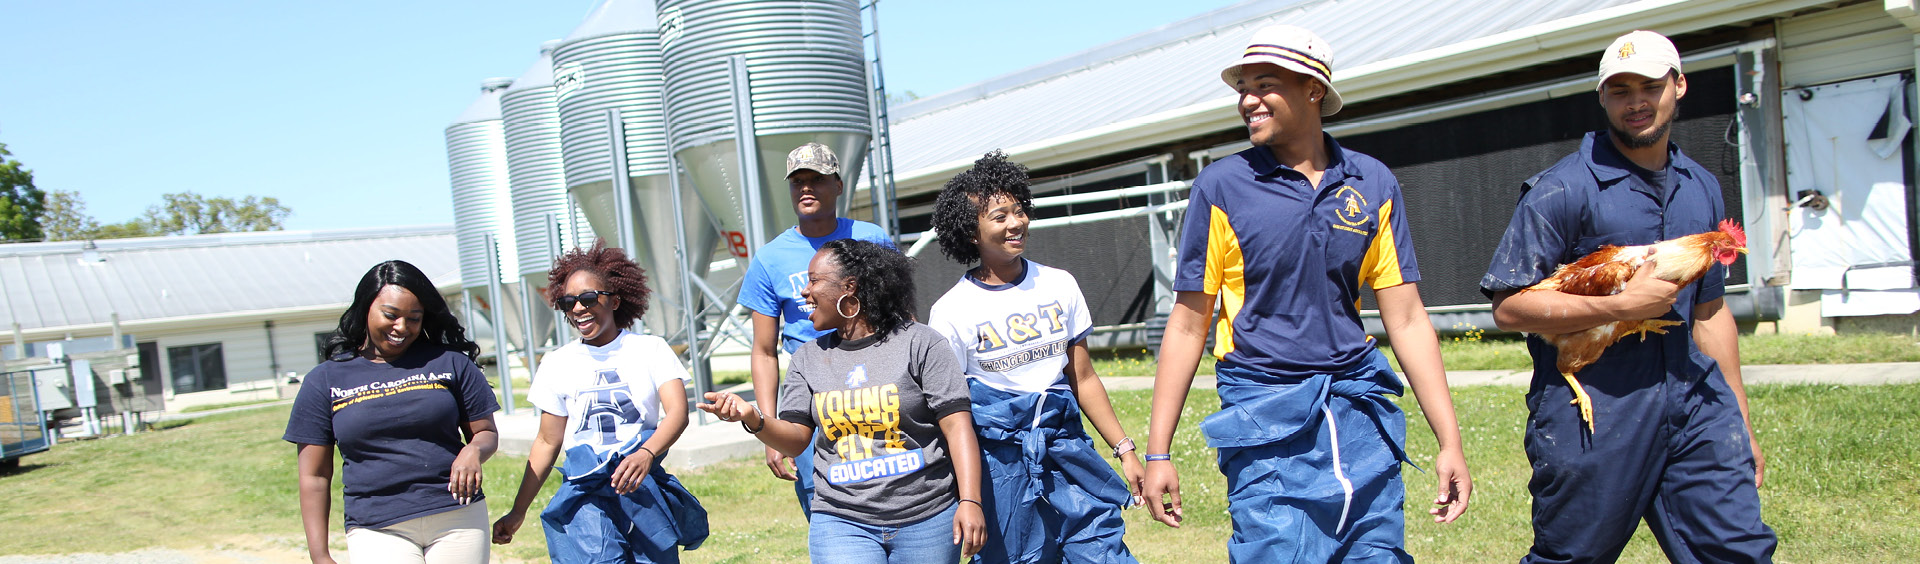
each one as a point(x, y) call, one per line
point(778, 272)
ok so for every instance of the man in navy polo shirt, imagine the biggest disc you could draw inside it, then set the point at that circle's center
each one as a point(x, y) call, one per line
point(1671, 442)
point(1286, 234)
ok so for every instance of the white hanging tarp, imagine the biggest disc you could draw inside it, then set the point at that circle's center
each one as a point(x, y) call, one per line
point(1846, 141)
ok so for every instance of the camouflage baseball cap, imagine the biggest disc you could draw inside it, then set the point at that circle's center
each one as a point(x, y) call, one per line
point(814, 157)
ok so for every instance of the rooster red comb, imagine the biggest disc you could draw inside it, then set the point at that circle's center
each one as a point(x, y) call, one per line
point(1733, 230)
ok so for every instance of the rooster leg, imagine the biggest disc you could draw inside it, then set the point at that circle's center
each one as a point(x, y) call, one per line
point(1580, 398)
point(1658, 326)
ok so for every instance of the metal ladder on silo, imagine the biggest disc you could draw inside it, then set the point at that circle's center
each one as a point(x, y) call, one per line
point(880, 153)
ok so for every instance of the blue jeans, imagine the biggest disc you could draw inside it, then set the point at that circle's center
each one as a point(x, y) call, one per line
point(832, 539)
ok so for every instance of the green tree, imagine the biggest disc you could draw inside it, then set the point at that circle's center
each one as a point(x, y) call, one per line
point(65, 217)
point(187, 213)
point(125, 230)
point(20, 203)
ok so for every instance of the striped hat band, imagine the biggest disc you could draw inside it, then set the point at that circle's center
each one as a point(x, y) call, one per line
point(1295, 55)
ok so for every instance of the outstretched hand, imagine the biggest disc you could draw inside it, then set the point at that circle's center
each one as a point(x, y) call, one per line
point(728, 407)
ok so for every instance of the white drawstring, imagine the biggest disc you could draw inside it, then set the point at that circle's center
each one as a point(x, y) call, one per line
point(1333, 433)
point(1041, 402)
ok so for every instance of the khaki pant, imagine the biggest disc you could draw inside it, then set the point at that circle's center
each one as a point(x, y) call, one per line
point(453, 537)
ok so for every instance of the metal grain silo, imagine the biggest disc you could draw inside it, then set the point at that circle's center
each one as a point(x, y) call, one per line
point(483, 209)
point(611, 64)
point(477, 161)
point(544, 221)
point(805, 66)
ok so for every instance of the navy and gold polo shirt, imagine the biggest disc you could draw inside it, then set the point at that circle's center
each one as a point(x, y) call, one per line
point(1288, 261)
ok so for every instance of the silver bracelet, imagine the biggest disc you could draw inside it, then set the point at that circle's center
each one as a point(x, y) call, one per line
point(1125, 446)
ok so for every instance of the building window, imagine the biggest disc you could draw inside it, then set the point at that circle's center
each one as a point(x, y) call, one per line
point(197, 368)
point(320, 346)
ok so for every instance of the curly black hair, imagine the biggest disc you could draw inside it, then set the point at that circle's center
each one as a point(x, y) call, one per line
point(882, 281)
point(623, 279)
point(439, 325)
point(956, 213)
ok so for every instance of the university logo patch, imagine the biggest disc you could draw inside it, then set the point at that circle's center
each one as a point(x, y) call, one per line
point(1626, 50)
point(857, 376)
point(1353, 208)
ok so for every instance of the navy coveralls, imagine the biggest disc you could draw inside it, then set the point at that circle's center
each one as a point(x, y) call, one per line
point(1669, 443)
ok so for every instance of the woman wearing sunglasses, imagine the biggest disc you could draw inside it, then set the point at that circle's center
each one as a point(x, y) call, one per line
point(614, 401)
point(896, 467)
point(400, 397)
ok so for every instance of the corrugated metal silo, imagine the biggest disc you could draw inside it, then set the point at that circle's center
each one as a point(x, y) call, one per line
point(806, 66)
point(535, 169)
point(483, 205)
point(477, 161)
point(544, 222)
point(612, 61)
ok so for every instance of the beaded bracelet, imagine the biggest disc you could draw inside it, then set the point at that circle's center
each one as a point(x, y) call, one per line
point(1153, 457)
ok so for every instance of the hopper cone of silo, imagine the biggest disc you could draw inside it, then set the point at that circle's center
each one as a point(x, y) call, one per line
point(612, 61)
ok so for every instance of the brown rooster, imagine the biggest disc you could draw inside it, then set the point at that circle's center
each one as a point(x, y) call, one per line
point(1606, 271)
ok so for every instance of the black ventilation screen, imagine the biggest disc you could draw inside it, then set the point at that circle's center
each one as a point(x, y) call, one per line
point(1462, 175)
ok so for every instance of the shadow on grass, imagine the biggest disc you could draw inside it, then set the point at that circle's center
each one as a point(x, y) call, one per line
point(19, 467)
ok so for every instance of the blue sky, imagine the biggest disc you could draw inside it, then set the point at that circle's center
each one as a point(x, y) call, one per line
point(338, 108)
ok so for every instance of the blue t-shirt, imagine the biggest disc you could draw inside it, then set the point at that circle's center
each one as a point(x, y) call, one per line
point(1289, 260)
point(1594, 198)
point(397, 426)
point(779, 271)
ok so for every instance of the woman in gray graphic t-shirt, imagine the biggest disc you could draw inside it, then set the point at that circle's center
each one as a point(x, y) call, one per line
point(896, 465)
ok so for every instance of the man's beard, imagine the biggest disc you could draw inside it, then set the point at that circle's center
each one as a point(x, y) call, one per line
point(1643, 141)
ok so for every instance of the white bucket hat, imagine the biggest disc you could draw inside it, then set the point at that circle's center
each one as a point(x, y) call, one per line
point(1294, 49)
point(1644, 53)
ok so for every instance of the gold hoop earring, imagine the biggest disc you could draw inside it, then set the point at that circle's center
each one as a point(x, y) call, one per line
point(843, 298)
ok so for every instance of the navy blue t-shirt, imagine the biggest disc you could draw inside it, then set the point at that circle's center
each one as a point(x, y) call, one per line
point(397, 426)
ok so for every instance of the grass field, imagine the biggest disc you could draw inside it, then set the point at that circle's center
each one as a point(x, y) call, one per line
point(1475, 351)
point(1843, 486)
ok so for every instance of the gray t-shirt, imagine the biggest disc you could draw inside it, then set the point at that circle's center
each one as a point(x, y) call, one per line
point(880, 457)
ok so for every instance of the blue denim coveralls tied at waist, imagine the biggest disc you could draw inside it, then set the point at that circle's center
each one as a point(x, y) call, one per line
point(1259, 409)
point(586, 522)
point(1048, 490)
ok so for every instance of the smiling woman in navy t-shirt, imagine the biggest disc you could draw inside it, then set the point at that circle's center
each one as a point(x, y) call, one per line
point(397, 395)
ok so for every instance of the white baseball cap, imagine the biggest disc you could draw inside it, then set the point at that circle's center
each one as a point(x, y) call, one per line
point(1644, 53)
point(1294, 49)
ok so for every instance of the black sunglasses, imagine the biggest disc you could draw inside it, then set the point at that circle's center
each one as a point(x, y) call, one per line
point(590, 298)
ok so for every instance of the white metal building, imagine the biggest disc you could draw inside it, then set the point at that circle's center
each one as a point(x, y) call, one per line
point(216, 318)
point(1465, 100)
